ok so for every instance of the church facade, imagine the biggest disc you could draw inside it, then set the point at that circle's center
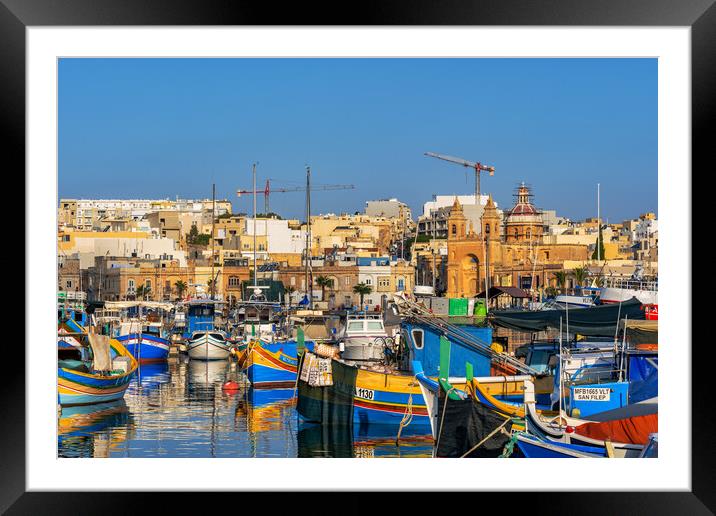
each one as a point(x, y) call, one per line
point(503, 253)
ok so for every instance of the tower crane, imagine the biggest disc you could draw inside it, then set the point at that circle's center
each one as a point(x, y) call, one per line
point(479, 167)
point(268, 190)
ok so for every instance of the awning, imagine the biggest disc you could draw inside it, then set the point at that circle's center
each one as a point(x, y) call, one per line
point(640, 332)
point(510, 291)
point(120, 305)
point(595, 321)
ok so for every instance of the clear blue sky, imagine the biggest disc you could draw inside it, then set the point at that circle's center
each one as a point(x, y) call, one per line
point(156, 128)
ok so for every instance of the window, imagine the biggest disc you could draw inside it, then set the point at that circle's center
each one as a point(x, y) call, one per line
point(375, 326)
point(355, 325)
point(384, 282)
point(293, 281)
point(130, 284)
point(348, 281)
point(234, 281)
point(454, 229)
point(417, 338)
point(148, 284)
point(368, 281)
point(69, 283)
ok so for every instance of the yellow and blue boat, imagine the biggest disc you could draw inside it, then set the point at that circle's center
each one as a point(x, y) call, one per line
point(98, 370)
point(271, 365)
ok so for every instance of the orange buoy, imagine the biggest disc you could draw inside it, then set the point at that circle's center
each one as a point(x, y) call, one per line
point(230, 386)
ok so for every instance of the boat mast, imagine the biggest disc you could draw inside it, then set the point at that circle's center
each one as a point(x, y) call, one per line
point(599, 228)
point(308, 236)
point(213, 223)
point(253, 169)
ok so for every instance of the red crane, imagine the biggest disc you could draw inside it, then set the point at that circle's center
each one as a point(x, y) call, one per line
point(479, 167)
point(267, 191)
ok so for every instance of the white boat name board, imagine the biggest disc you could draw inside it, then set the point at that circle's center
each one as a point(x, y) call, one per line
point(592, 393)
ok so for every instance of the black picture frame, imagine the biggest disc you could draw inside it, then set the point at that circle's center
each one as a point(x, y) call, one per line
point(16, 15)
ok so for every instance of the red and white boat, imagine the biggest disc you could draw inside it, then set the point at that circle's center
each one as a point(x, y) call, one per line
point(616, 290)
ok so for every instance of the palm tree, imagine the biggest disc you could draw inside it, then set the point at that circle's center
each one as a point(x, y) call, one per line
point(143, 292)
point(561, 277)
point(580, 275)
point(288, 290)
point(323, 282)
point(181, 288)
point(362, 289)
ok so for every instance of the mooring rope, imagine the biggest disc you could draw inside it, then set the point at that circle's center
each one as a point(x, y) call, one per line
point(407, 418)
point(442, 419)
point(468, 452)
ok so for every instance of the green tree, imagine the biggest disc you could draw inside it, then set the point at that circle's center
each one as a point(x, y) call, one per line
point(598, 253)
point(362, 290)
point(323, 282)
point(193, 233)
point(580, 275)
point(143, 292)
point(203, 239)
point(561, 277)
point(181, 288)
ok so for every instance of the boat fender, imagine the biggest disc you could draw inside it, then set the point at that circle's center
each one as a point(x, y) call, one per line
point(230, 386)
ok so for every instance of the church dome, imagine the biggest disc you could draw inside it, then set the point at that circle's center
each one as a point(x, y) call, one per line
point(523, 211)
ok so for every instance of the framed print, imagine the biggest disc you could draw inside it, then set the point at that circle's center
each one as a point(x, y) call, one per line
point(358, 254)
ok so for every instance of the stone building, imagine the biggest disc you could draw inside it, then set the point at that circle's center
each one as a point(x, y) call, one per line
point(509, 253)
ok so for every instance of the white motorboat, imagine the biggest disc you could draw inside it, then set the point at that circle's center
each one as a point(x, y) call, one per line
point(616, 290)
point(363, 338)
point(209, 345)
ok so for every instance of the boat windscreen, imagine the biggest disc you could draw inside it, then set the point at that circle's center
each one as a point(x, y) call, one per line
point(355, 326)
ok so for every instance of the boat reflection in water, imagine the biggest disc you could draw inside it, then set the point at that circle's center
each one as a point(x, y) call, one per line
point(93, 430)
point(372, 441)
point(180, 408)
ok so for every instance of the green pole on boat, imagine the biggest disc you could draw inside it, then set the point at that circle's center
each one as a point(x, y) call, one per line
point(444, 372)
point(468, 371)
point(300, 340)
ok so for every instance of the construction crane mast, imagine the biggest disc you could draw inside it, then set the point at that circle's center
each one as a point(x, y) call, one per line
point(267, 191)
point(479, 167)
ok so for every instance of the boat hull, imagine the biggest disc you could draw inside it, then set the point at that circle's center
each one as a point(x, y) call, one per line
point(381, 398)
point(206, 347)
point(150, 349)
point(533, 448)
point(271, 365)
point(79, 388)
point(617, 295)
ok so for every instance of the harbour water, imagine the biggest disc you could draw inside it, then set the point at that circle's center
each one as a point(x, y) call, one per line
point(179, 409)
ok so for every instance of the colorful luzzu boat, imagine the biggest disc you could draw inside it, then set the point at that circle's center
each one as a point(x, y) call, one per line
point(271, 365)
point(146, 346)
point(360, 396)
point(80, 383)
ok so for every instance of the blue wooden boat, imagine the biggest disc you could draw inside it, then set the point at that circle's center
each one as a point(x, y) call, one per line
point(271, 365)
point(93, 373)
point(147, 345)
